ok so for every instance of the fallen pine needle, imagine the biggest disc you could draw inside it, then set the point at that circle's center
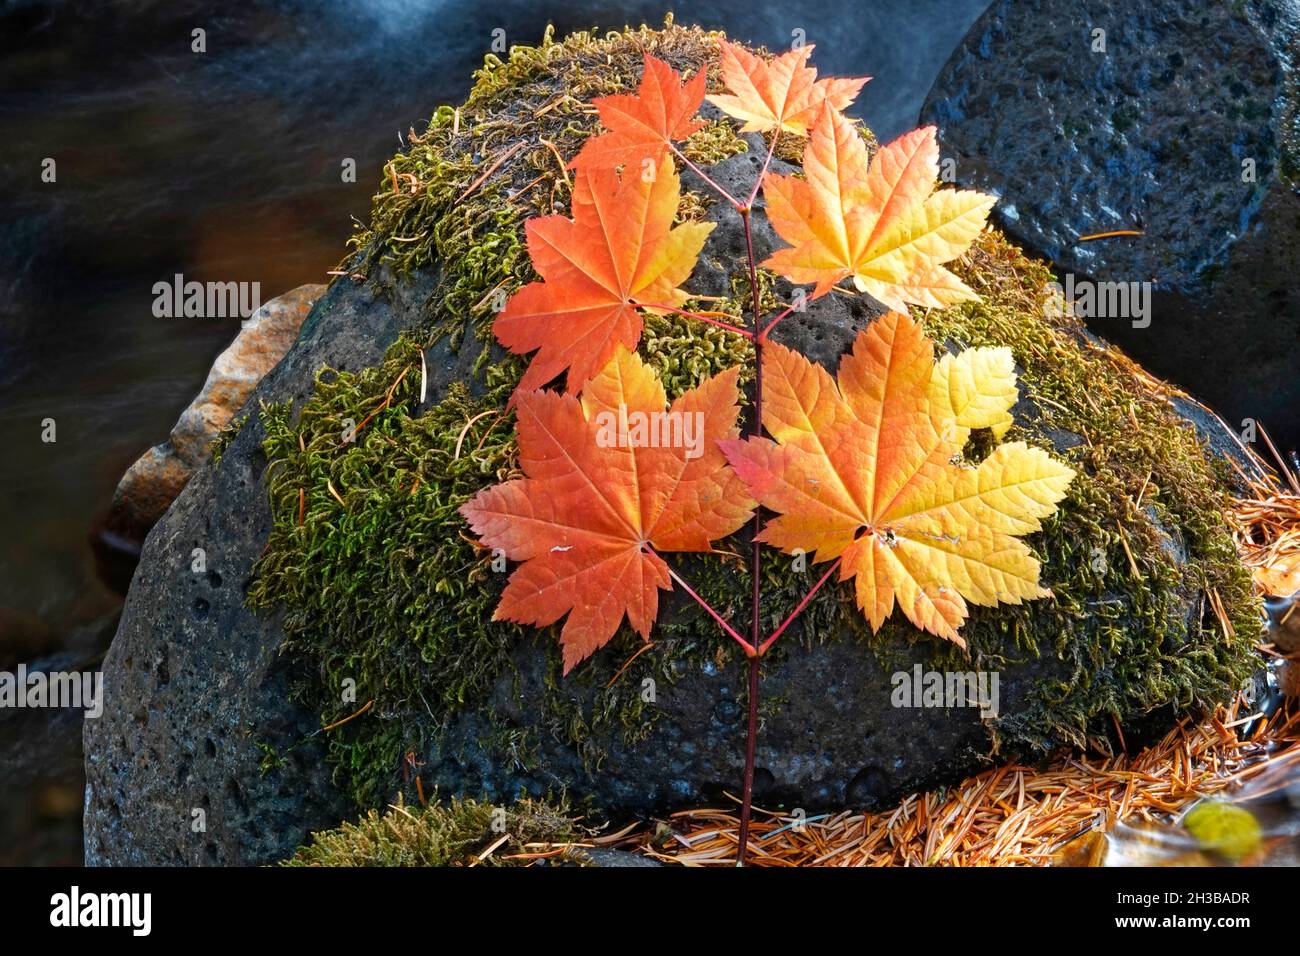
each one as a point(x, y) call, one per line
point(339, 723)
point(1108, 235)
point(1007, 816)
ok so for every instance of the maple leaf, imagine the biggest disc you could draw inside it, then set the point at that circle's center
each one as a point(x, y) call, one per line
point(641, 125)
point(594, 494)
point(862, 469)
point(880, 221)
point(781, 93)
point(618, 252)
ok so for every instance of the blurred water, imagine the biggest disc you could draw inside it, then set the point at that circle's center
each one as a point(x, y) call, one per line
point(224, 166)
point(1254, 824)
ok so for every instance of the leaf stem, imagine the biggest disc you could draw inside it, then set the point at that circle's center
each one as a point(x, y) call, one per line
point(762, 173)
point(735, 203)
point(771, 325)
point(731, 631)
point(756, 428)
point(703, 318)
point(762, 648)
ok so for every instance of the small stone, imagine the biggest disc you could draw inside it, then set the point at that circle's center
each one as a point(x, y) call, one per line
point(151, 484)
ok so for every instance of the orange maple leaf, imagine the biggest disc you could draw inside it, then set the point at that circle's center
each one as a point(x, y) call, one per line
point(881, 222)
point(779, 94)
point(607, 478)
point(862, 469)
point(642, 125)
point(618, 252)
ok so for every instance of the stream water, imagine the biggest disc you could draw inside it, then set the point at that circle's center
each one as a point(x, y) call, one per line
point(224, 166)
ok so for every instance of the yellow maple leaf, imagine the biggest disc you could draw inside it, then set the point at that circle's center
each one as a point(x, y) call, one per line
point(865, 467)
point(781, 94)
point(879, 220)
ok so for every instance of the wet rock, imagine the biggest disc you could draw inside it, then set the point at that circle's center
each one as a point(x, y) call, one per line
point(196, 738)
point(1175, 118)
point(151, 484)
point(195, 701)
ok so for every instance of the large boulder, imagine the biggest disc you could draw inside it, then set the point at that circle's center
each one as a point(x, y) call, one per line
point(370, 664)
point(1173, 118)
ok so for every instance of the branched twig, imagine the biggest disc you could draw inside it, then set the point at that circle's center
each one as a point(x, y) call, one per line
point(762, 648)
point(735, 203)
point(731, 631)
point(756, 428)
point(771, 325)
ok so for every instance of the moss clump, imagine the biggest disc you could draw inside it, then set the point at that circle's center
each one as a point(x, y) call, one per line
point(217, 447)
point(381, 586)
point(715, 141)
point(684, 352)
point(1119, 613)
point(458, 195)
point(369, 557)
point(459, 833)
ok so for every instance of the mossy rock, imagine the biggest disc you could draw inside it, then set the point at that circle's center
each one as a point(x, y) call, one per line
point(355, 600)
point(460, 833)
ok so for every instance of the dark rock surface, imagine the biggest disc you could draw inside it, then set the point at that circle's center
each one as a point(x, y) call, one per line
point(618, 859)
point(1150, 135)
point(195, 681)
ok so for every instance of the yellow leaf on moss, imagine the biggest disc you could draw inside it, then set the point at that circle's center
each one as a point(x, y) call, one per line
point(879, 221)
point(865, 467)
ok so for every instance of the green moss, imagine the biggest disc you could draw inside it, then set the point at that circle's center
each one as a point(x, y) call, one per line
point(685, 352)
point(715, 141)
point(380, 584)
point(460, 833)
point(217, 447)
point(1119, 622)
point(458, 195)
point(369, 556)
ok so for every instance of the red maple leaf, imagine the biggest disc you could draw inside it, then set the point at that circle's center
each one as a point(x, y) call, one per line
point(602, 493)
point(642, 125)
point(618, 252)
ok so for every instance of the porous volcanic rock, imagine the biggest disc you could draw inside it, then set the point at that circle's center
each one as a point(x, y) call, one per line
point(1173, 118)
